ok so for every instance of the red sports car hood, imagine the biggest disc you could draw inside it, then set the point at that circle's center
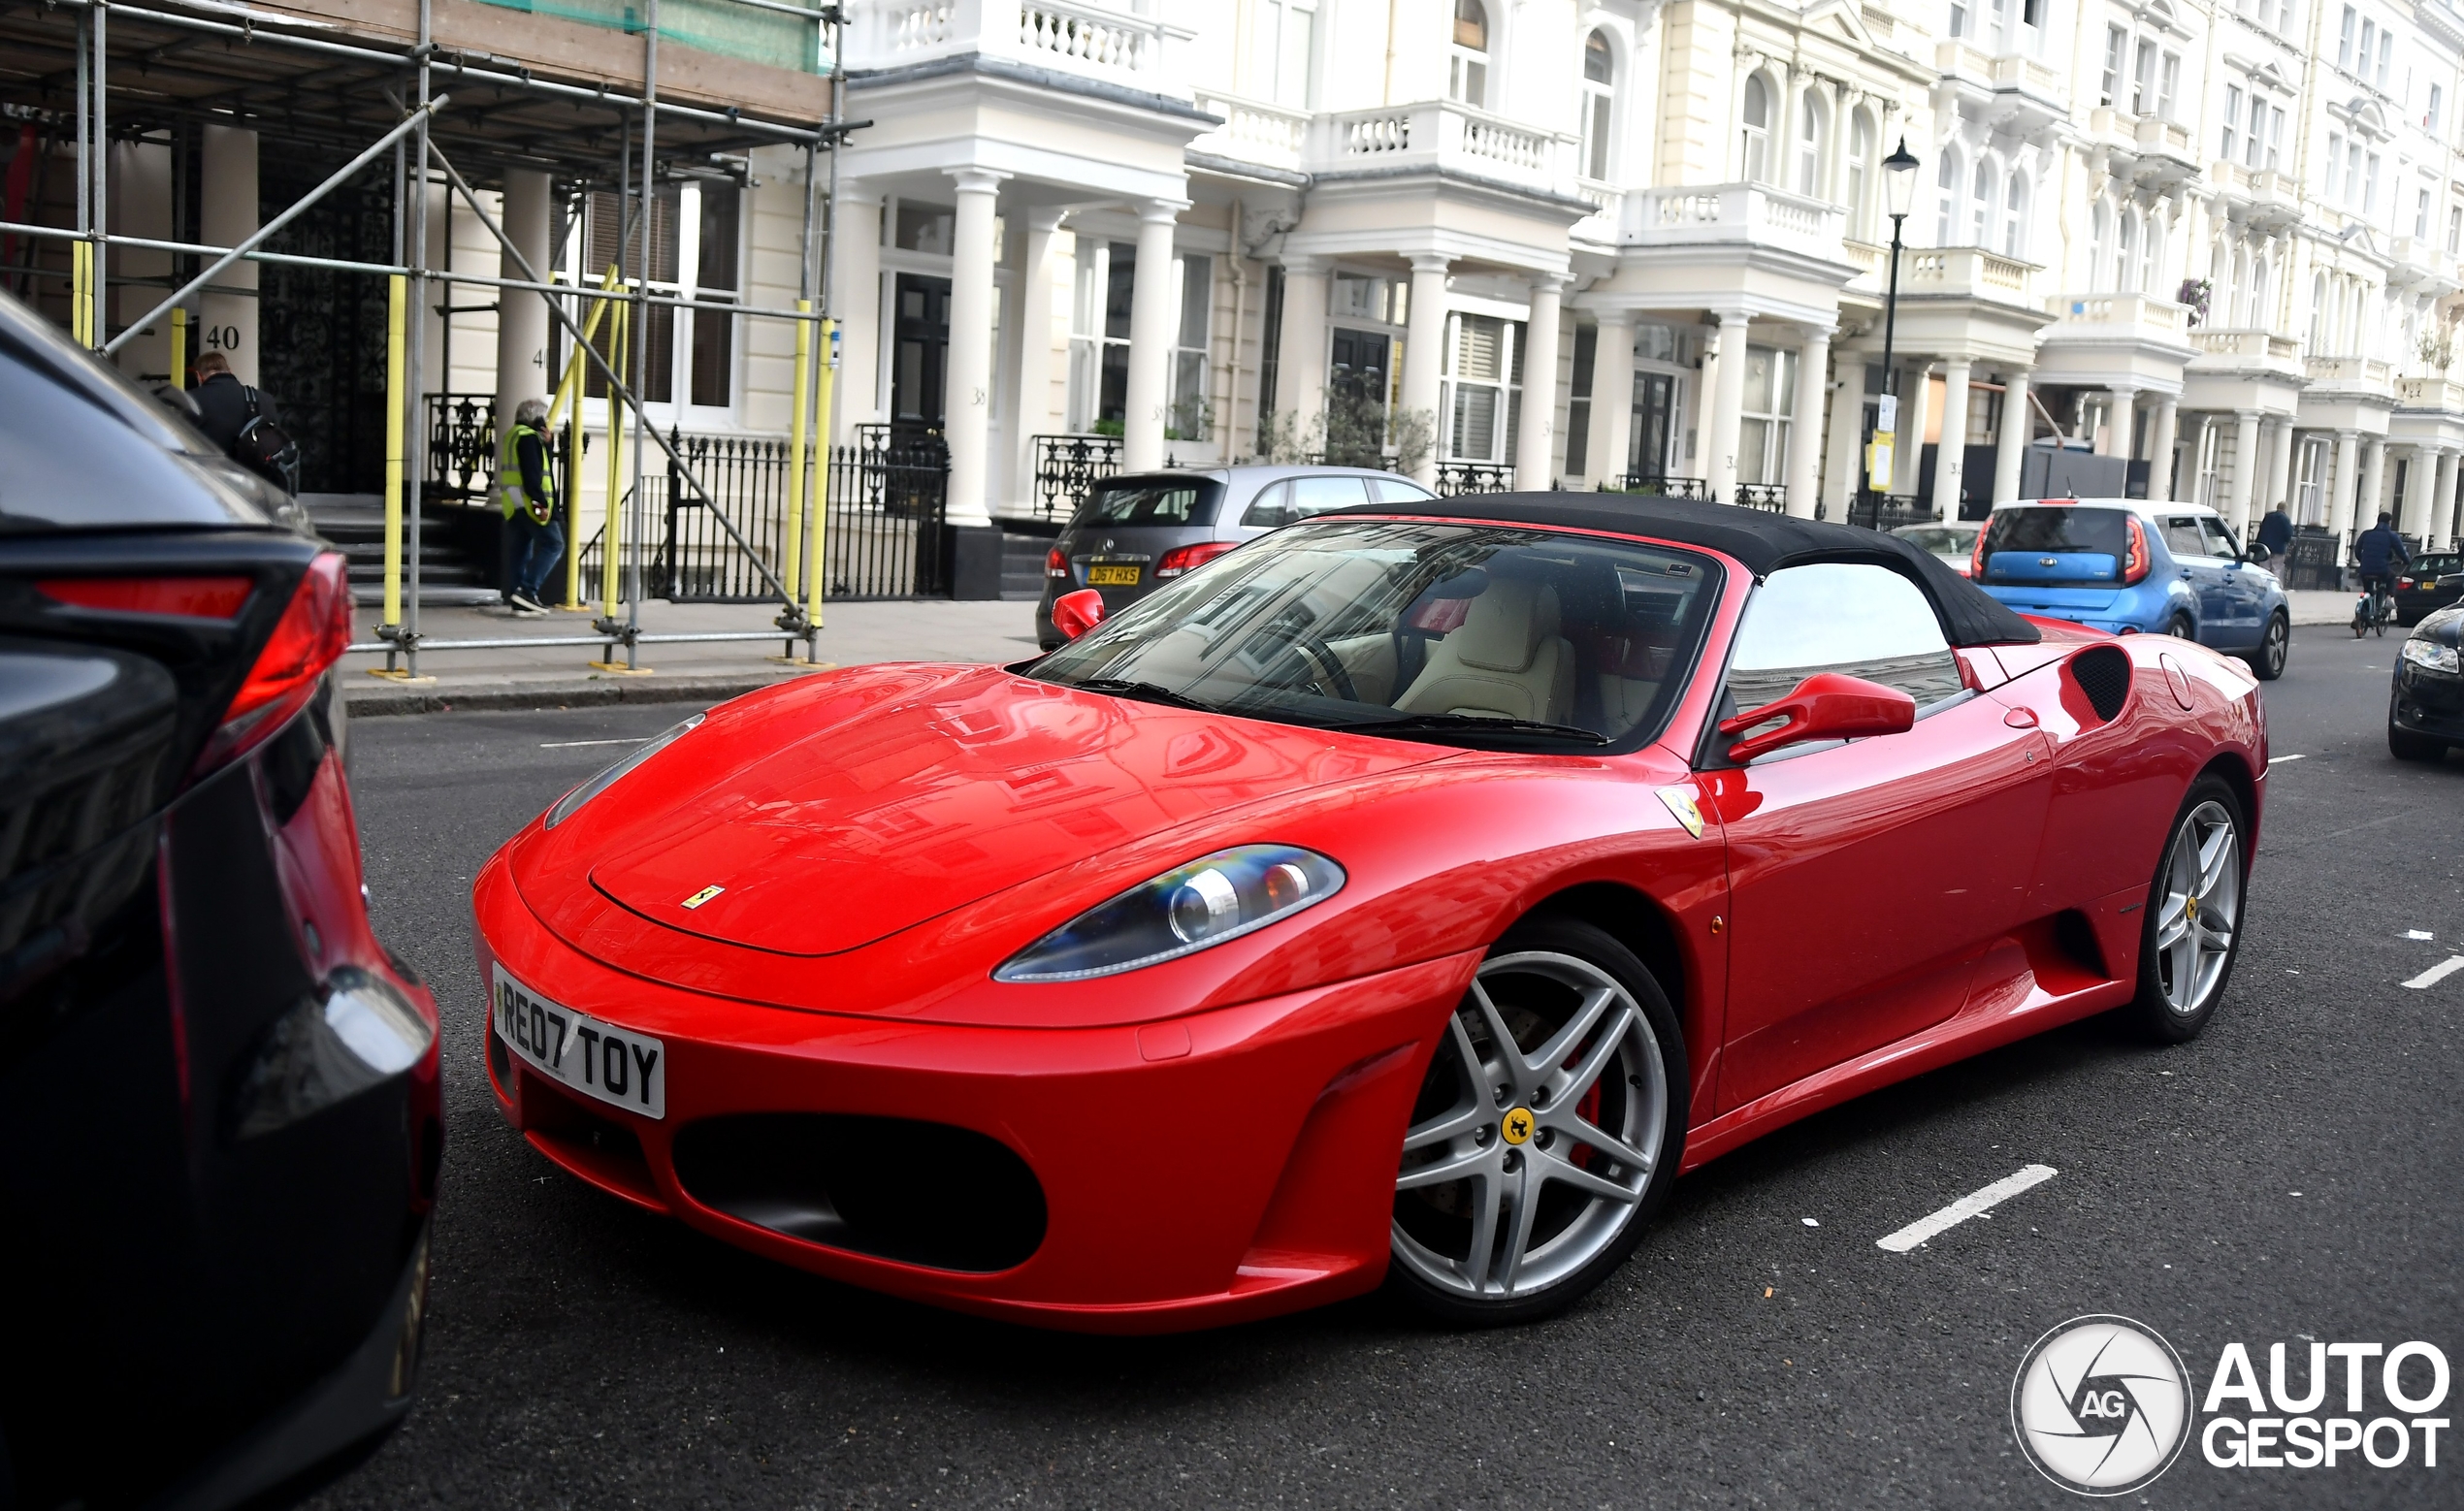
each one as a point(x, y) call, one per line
point(847, 807)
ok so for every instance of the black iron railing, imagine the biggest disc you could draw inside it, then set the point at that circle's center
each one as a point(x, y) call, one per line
point(1660, 487)
point(1474, 477)
point(700, 560)
point(1770, 497)
point(1067, 467)
point(1888, 511)
point(462, 445)
point(887, 494)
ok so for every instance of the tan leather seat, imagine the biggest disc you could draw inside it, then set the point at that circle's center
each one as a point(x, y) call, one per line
point(1507, 660)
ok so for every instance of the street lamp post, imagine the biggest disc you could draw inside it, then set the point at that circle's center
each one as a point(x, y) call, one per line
point(1899, 182)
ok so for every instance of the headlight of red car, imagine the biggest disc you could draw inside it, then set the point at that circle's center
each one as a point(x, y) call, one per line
point(1188, 909)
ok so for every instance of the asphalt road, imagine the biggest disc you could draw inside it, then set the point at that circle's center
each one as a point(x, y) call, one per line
point(2291, 1176)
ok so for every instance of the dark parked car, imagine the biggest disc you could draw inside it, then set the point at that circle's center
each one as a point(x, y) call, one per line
point(2425, 705)
point(2430, 582)
point(1136, 532)
point(219, 1122)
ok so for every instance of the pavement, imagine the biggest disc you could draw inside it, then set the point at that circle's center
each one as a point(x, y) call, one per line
point(2289, 1177)
point(560, 676)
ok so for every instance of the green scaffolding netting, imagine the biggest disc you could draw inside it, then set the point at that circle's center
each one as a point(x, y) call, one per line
point(718, 26)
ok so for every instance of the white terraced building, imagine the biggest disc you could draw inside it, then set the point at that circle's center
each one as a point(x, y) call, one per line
point(1588, 242)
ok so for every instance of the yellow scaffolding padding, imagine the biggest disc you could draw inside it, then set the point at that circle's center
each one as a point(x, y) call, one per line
point(82, 293)
point(178, 346)
point(814, 574)
point(397, 301)
point(793, 557)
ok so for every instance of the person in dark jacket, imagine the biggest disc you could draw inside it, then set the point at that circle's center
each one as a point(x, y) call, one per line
point(2376, 552)
point(525, 488)
point(2276, 531)
point(225, 407)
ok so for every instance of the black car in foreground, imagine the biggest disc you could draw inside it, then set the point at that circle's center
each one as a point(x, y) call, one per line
point(219, 1117)
point(2426, 583)
point(2426, 708)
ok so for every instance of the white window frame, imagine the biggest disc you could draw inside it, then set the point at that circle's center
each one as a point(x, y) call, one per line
point(1600, 112)
point(1284, 52)
point(1469, 69)
point(1504, 390)
point(1754, 141)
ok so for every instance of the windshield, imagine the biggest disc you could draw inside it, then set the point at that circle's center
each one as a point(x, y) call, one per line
point(2060, 528)
point(1153, 501)
point(1470, 635)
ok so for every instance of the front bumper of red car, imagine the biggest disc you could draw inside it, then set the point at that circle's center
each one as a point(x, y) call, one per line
point(1190, 1172)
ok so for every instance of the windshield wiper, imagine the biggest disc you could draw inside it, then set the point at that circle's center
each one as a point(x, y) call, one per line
point(1410, 726)
point(1144, 692)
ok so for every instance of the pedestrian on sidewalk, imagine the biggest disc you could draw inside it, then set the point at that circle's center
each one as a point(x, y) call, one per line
point(525, 488)
point(241, 421)
point(2276, 531)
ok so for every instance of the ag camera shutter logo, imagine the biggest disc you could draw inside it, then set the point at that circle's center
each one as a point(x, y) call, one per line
point(2101, 1405)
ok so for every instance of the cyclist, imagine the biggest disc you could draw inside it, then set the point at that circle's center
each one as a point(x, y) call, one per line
point(2376, 552)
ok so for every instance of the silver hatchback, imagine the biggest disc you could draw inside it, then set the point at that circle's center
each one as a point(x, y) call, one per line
point(1142, 530)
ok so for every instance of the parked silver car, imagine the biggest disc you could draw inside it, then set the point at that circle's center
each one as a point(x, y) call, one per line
point(1140, 530)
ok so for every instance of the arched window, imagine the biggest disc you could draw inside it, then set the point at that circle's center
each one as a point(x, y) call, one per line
point(2237, 302)
point(1757, 143)
point(1469, 82)
point(1600, 81)
point(2015, 216)
point(1946, 184)
point(2126, 243)
point(2318, 315)
point(2099, 245)
point(1860, 173)
point(1981, 210)
point(2259, 315)
point(2151, 256)
point(1810, 145)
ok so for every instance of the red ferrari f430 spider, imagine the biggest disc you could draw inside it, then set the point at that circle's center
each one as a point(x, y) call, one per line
point(1403, 898)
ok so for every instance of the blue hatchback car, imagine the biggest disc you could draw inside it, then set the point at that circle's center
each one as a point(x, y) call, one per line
point(2131, 566)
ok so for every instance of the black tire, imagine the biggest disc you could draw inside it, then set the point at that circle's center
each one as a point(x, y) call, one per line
point(1605, 1239)
point(2182, 628)
point(2406, 744)
point(2275, 646)
point(2156, 1009)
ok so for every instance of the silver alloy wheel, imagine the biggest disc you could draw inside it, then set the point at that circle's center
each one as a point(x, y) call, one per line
point(2202, 906)
point(1533, 1165)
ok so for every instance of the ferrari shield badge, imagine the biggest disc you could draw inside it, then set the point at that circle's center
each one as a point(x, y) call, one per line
point(1681, 803)
point(1517, 1126)
point(703, 896)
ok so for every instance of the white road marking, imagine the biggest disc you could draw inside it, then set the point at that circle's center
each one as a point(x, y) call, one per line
point(2277, 760)
point(2437, 973)
point(567, 745)
point(1974, 1203)
point(2419, 934)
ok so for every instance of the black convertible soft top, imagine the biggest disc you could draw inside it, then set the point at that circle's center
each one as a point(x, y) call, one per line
point(1764, 542)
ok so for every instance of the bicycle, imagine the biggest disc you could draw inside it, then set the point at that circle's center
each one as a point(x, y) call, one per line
point(2375, 609)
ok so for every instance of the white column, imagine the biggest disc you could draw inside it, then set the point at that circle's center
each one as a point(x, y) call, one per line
point(226, 216)
point(2425, 517)
point(1151, 321)
point(139, 187)
point(1843, 469)
point(856, 304)
point(1424, 353)
point(1916, 396)
point(2010, 446)
point(2237, 511)
point(1728, 404)
point(966, 403)
point(2374, 482)
point(522, 318)
point(2343, 488)
point(1613, 398)
point(1035, 347)
point(2161, 436)
point(2280, 467)
point(1535, 436)
point(1950, 453)
point(2118, 424)
point(1813, 381)
point(1300, 353)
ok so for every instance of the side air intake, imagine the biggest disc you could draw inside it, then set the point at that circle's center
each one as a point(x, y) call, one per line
point(2103, 675)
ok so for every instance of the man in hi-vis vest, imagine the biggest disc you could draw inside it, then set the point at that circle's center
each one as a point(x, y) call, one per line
point(525, 488)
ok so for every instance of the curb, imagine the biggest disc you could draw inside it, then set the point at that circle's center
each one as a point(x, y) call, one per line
point(384, 701)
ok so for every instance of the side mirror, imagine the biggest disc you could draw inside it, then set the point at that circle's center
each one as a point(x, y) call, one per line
point(2257, 555)
point(1076, 613)
point(1826, 706)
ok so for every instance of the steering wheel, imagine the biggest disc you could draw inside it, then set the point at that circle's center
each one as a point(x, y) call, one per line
point(1325, 667)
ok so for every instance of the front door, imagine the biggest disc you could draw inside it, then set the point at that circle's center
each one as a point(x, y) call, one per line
point(1655, 394)
point(1867, 877)
point(920, 362)
point(1358, 377)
